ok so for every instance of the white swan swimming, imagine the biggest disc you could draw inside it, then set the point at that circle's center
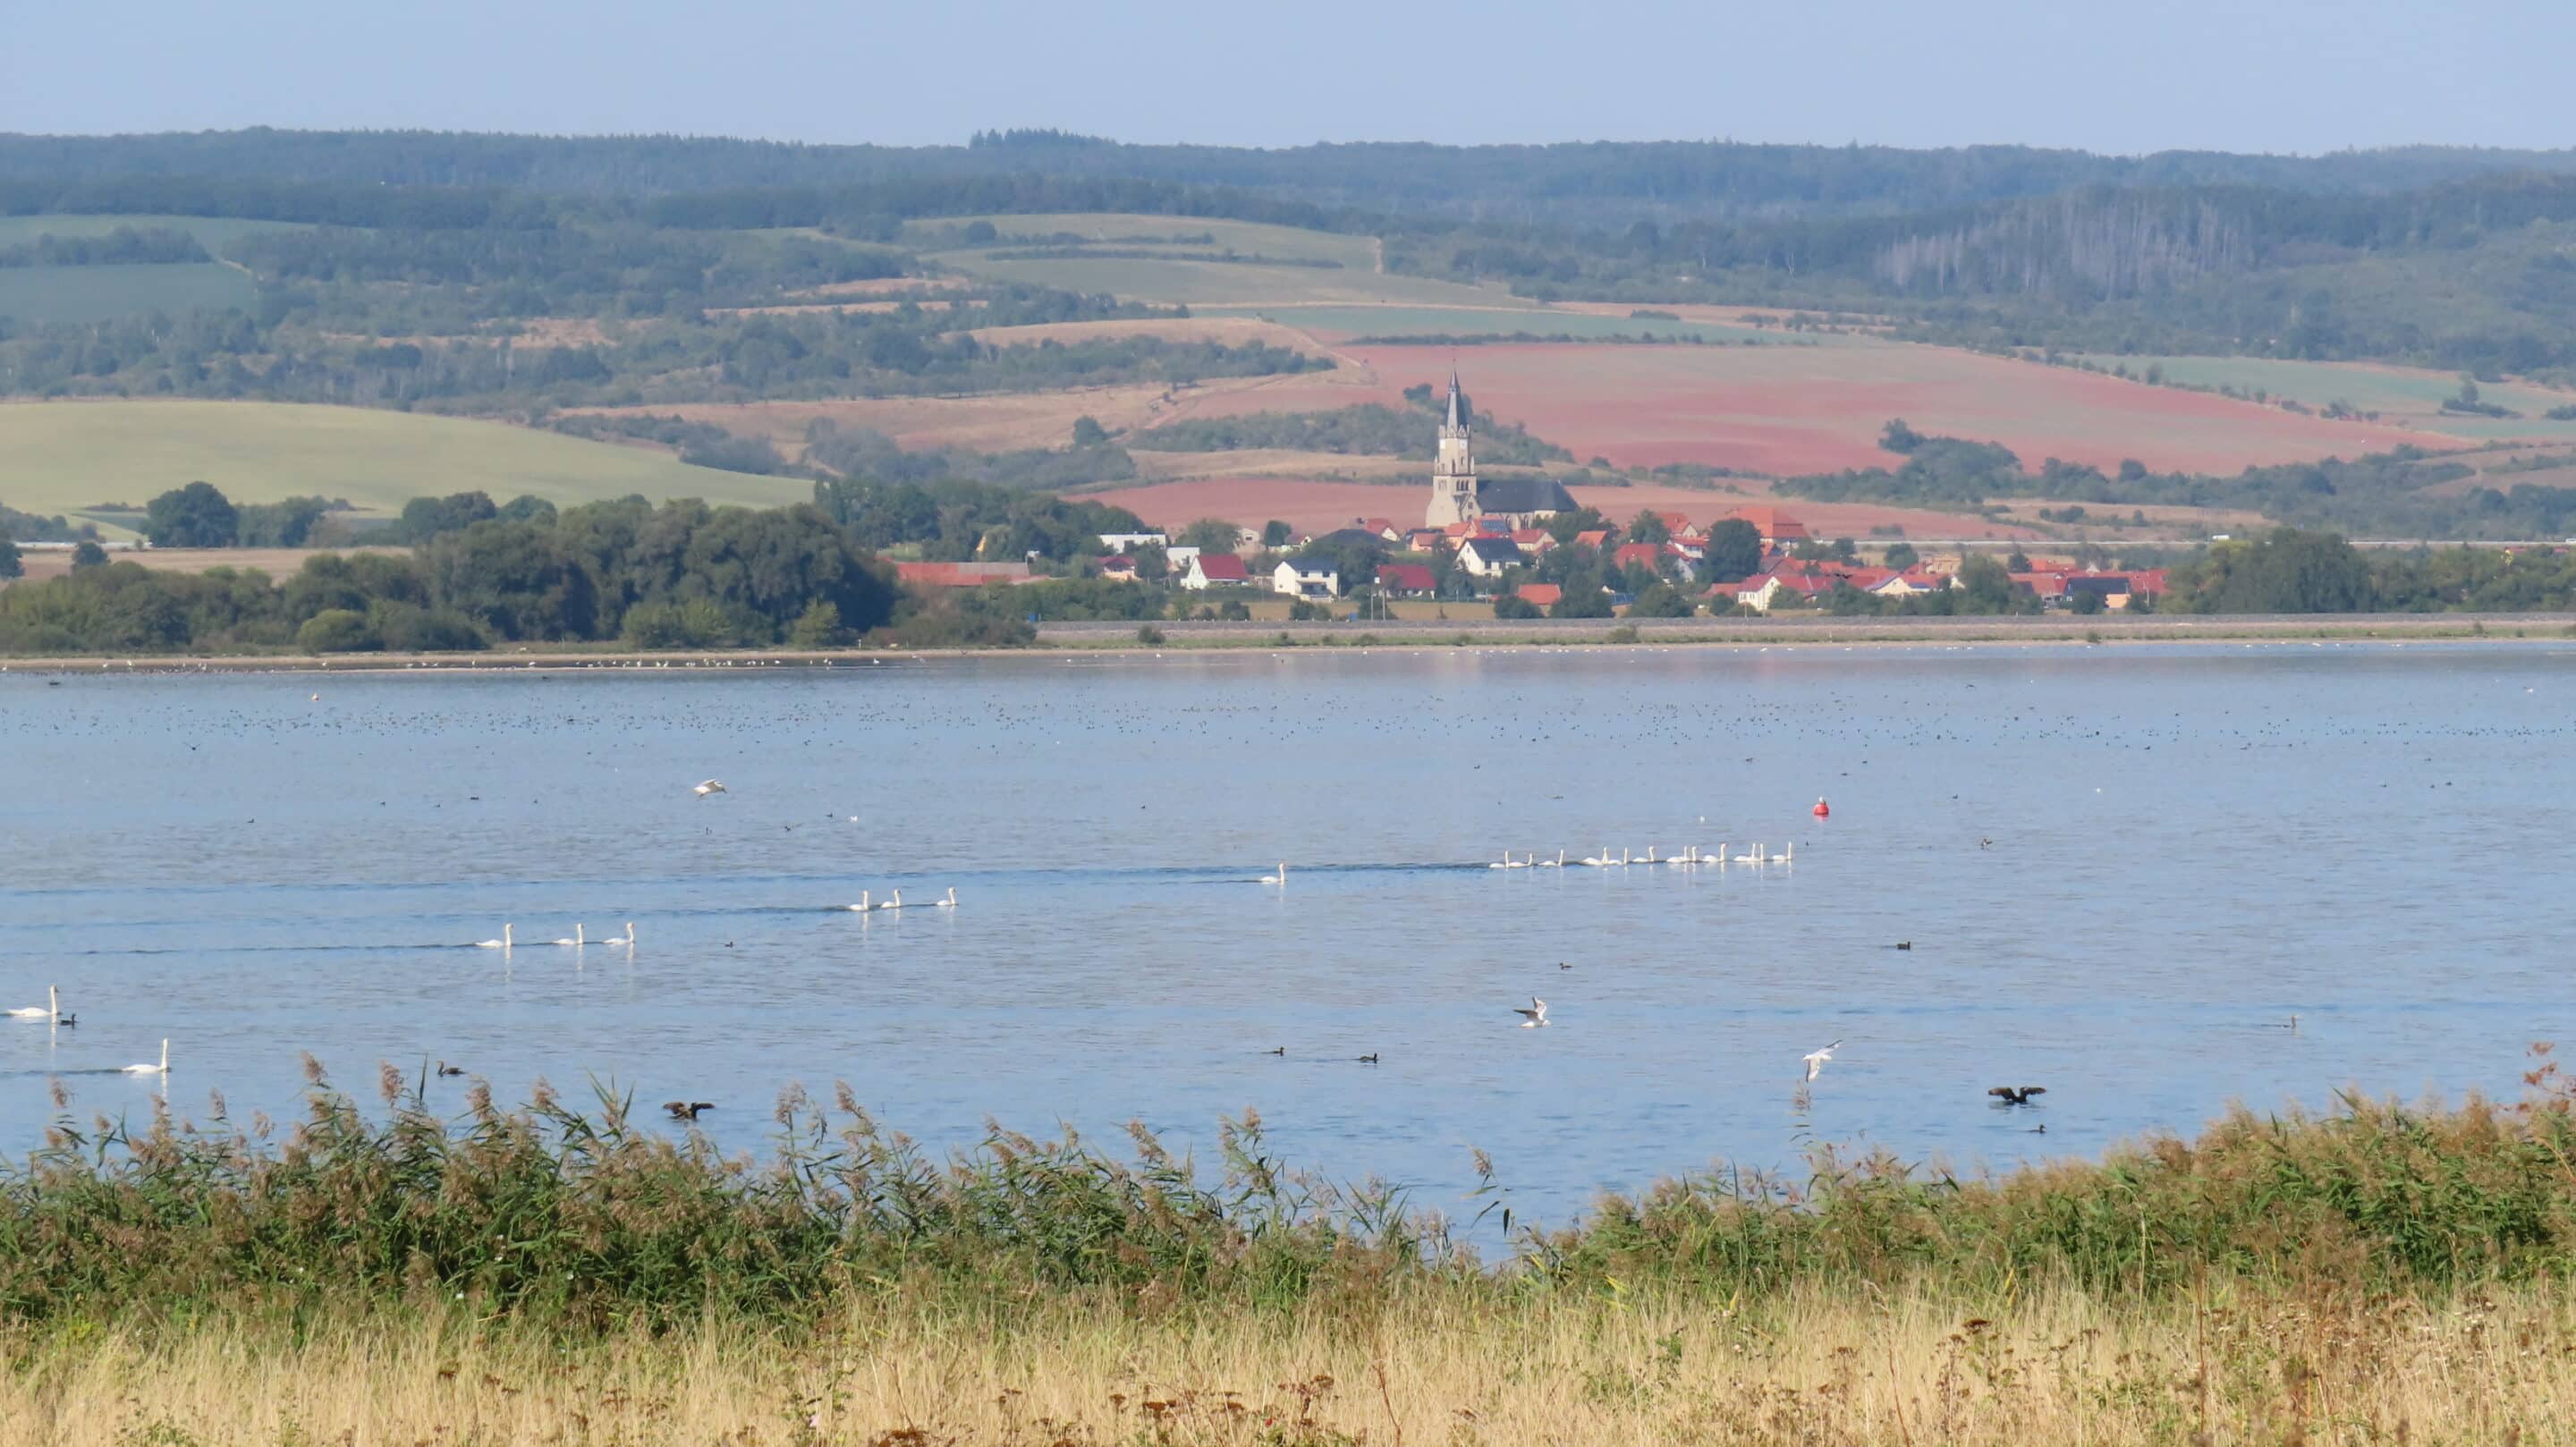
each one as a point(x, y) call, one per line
point(949, 903)
point(1753, 858)
point(866, 902)
point(1557, 863)
point(502, 943)
point(53, 1007)
point(1785, 856)
point(628, 942)
point(576, 941)
point(894, 899)
point(1601, 860)
point(1280, 878)
point(161, 1069)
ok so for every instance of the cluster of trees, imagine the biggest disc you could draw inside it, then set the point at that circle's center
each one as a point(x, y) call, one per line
point(957, 521)
point(680, 575)
point(2397, 493)
point(30, 527)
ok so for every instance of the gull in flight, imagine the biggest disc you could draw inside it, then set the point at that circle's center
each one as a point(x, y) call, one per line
point(709, 786)
point(1532, 1015)
point(1816, 1059)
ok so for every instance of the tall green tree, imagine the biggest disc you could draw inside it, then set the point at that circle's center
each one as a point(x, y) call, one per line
point(195, 516)
point(1733, 551)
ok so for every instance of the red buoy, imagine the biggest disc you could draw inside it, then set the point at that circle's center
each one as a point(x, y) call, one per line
point(1823, 810)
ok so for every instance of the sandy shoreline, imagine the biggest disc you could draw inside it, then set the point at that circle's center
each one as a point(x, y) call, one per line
point(1070, 640)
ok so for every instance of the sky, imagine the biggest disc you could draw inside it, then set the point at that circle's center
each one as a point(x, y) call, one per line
point(2241, 75)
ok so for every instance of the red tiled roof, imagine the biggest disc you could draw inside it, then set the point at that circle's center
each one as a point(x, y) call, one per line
point(2045, 585)
point(1675, 523)
point(1378, 525)
point(1644, 555)
point(1543, 595)
point(1771, 523)
point(1404, 577)
point(1222, 568)
point(1593, 538)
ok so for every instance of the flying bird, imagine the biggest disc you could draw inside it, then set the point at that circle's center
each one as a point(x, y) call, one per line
point(2017, 1094)
point(1532, 1015)
point(686, 1109)
point(1816, 1059)
point(709, 786)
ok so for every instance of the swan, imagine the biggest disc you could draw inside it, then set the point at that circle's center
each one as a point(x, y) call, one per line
point(1506, 864)
point(1753, 858)
point(949, 903)
point(1785, 856)
point(710, 786)
point(576, 941)
point(161, 1069)
point(1280, 878)
point(502, 943)
point(894, 899)
point(628, 942)
point(1624, 860)
point(53, 1008)
point(1557, 863)
point(1602, 860)
point(866, 903)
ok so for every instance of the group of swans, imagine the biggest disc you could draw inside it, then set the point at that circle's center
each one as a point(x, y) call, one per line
point(579, 940)
point(53, 1011)
point(869, 903)
point(1692, 857)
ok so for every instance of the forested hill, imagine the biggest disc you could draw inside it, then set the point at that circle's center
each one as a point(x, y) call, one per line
point(1585, 185)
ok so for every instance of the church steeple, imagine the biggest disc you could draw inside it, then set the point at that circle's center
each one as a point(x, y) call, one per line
point(1453, 469)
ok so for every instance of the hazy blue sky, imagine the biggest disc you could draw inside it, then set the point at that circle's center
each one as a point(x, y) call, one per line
point(2250, 75)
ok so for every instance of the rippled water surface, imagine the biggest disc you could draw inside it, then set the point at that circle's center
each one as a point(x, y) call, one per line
point(2187, 848)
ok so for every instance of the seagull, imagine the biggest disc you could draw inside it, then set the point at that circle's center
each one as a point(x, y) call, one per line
point(1816, 1059)
point(2017, 1095)
point(686, 1109)
point(1534, 1015)
point(710, 786)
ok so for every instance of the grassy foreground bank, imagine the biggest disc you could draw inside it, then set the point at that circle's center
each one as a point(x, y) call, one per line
point(2372, 1275)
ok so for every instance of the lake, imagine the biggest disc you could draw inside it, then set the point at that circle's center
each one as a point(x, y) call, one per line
point(2122, 871)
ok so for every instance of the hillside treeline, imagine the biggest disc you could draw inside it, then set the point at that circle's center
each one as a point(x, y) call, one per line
point(1371, 429)
point(1569, 184)
point(683, 575)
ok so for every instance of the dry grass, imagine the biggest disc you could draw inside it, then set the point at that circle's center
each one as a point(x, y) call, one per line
point(1911, 1367)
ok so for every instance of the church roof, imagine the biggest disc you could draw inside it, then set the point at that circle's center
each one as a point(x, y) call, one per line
point(1455, 420)
point(1523, 494)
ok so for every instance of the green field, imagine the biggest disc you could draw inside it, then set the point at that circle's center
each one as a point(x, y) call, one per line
point(212, 232)
point(63, 457)
point(1169, 276)
point(2400, 394)
point(1488, 319)
point(77, 294)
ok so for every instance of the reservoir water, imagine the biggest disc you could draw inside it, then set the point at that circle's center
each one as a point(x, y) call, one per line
point(2122, 872)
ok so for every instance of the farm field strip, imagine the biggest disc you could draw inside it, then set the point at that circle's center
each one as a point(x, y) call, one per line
point(2408, 395)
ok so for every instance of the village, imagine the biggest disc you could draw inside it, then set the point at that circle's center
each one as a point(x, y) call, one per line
point(1522, 547)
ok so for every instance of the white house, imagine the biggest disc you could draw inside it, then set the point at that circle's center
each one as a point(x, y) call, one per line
point(1215, 570)
point(1311, 578)
point(1486, 556)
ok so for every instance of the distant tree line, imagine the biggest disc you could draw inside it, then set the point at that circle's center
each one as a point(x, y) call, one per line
point(683, 575)
point(123, 246)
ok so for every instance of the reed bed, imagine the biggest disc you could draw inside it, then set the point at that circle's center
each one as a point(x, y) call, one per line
point(2372, 1274)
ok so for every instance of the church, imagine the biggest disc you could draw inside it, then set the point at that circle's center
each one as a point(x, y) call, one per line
point(1457, 496)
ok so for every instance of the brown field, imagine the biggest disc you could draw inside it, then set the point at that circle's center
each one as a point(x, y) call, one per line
point(1277, 462)
point(1320, 506)
point(276, 562)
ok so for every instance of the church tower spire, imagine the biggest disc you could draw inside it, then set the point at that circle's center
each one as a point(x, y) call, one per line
point(1453, 470)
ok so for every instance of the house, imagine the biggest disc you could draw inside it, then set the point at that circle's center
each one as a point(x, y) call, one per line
point(1486, 556)
point(2046, 587)
point(1384, 528)
point(1424, 540)
point(1121, 568)
point(1776, 527)
point(2111, 588)
point(1536, 542)
point(1129, 542)
point(1689, 550)
point(1539, 595)
point(1179, 557)
point(1216, 570)
point(1649, 556)
point(1458, 495)
point(1307, 578)
point(1910, 582)
point(1594, 538)
point(1404, 580)
point(1680, 526)
point(959, 575)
